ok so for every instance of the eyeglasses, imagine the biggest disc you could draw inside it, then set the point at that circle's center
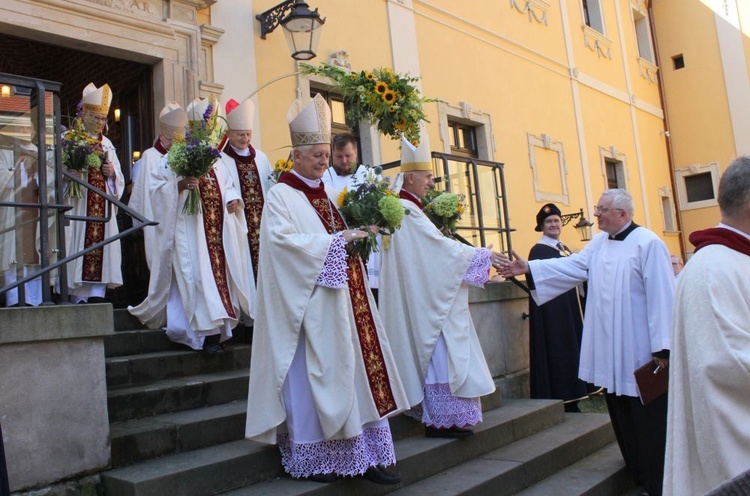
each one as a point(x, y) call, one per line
point(604, 210)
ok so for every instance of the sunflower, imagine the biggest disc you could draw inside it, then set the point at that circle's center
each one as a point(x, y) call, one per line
point(392, 109)
point(341, 198)
point(389, 96)
point(381, 88)
point(400, 124)
point(370, 76)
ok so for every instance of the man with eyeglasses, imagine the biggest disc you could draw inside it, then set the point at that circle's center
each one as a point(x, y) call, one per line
point(627, 323)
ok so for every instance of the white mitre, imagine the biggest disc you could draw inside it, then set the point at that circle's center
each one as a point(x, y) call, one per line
point(240, 116)
point(97, 100)
point(415, 158)
point(310, 124)
point(172, 120)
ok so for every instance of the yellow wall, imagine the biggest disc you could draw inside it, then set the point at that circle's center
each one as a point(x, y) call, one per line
point(516, 69)
point(698, 103)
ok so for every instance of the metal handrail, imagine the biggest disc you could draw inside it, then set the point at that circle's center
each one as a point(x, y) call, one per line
point(499, 198)
point(35, 88)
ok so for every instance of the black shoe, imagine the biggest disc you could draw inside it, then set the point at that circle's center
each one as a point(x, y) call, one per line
point(322, 478)
point(96, 299)
point(212, 346)
point(379, 475)
point(450, 433)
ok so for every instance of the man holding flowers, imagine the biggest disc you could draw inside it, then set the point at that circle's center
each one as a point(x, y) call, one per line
point(90, 156)
point(425, 278)
point(322, 376)
point(198, 254)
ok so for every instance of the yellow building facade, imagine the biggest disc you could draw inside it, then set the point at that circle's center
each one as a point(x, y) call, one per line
point(564, 93)
point(704, 47)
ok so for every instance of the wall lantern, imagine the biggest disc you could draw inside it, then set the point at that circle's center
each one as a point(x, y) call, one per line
point(117, 115)
point(6, 91)
point(301, 27)
point(583, 226)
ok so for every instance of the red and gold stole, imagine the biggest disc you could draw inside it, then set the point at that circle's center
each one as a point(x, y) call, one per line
point(372, 353)
point(252, 195)
point(213, 224)
point(96, 206)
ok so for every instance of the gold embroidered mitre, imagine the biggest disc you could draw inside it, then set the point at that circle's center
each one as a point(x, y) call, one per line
point(415, 158)
point(172, 120)
point(97, 100)
point(310, 124)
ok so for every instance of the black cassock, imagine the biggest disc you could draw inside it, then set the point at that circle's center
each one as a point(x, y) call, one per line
point(555, 340)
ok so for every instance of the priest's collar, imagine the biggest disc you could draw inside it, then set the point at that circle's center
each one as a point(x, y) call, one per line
point(242, 153)
point(159, 146)
point(623, 233)
point(411, 197)
point(313, 183)
point(742, 233)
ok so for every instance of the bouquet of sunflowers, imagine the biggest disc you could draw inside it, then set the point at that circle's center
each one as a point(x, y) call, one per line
point(281, 166)
point(80, 151)
point(385, 98)
point(194, 154)
point(371, 203)
point(444, 209)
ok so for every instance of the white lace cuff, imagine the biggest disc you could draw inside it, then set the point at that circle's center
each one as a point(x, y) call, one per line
point(333, 274)
point(478, 272)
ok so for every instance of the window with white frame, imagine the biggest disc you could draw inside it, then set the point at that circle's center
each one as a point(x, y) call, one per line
point(614, 170)
point(643, 36)
point(697, 186)
point(592, 14)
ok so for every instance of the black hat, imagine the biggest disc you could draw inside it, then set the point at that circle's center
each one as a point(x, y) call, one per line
point(546, 211)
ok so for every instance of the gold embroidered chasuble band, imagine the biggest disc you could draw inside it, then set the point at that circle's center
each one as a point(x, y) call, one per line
point(372, 354)
point(213, 220)
point(252, 194)
point(96, 206)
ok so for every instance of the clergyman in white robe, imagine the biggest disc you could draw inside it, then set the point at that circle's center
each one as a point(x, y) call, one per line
point(187, 295)
point(311, 388)
point(708, 430)
point(627, 320)
point(90, 276)
point(424, 303)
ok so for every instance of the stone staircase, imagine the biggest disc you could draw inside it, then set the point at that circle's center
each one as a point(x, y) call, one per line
point(178, 416)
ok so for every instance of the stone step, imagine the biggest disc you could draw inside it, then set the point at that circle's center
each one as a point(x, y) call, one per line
point(513, 467)
point(602, 473)
point(146, 368)
point(241, 463)
point(142, 439)
point(177, 394)
point(131, 341)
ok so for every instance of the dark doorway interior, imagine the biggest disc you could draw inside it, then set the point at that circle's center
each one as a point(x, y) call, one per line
point(131, 85)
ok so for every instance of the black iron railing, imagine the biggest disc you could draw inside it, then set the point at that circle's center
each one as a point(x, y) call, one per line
point(485, 220)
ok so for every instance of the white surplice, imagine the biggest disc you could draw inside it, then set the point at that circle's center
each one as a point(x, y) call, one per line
point(628, 305)
point(177, 256)
point(294, 246)
point(76, 236)
point(423, 296)
point(708, 430)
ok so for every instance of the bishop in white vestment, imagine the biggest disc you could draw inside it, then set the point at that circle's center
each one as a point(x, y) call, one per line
point(424, 303)
point(322, 377)
point(89, 276)
point(199, 283)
